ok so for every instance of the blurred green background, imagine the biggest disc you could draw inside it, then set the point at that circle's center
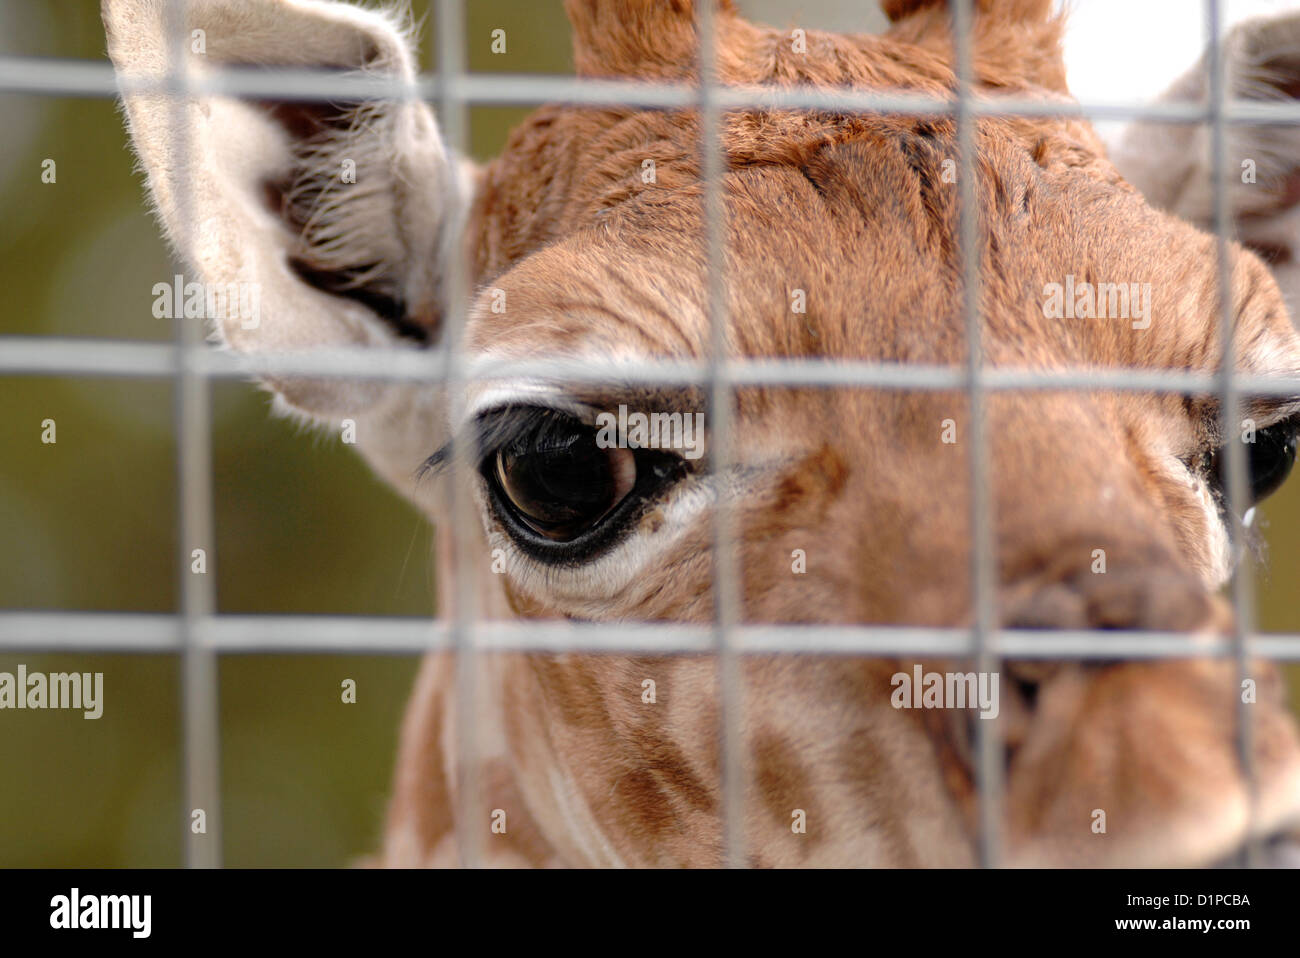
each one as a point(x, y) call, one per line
point(302, 527)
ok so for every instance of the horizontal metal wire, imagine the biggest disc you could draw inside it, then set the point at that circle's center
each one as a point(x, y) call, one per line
point(91, 78)
point(48, 356)
point(125, 632)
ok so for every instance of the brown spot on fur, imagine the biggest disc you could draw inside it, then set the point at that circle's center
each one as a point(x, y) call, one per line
point(864, 764)
point(782, 781)
point(808, 488)
point(666, 760)
point(638, 790)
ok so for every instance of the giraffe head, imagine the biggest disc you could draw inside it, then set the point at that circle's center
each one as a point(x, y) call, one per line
point(586, 241)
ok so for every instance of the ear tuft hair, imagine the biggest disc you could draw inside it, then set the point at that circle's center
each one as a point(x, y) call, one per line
point(355, 202)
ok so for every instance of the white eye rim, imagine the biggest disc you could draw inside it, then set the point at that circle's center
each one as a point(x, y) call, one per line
point(486, 397)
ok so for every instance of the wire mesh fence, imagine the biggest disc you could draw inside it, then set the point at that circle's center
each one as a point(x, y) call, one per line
point(199, 634)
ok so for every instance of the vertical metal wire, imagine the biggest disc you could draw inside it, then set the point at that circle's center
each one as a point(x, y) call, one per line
point(470, 816)
point(1243, 581)
point(988, 739)
point(725, 585)
point(199, 669)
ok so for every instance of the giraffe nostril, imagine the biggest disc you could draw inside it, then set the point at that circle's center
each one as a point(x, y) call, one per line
point(1028, 690)
point(1029, 675)
point(1054, 606)
point(1156, 599)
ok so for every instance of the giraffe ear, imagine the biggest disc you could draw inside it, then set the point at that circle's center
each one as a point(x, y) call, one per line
point(338, 215)
point(337, 219)
point(1171, 163)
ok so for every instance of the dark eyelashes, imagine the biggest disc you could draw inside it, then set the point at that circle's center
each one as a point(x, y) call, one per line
point(436, 463)
point(494, 429)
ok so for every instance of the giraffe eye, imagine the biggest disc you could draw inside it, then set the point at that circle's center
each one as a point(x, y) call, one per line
point(556, 490)
point(1269, 459)
point(560, 482)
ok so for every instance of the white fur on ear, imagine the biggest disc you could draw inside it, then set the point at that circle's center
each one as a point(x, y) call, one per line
point(308, 216)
